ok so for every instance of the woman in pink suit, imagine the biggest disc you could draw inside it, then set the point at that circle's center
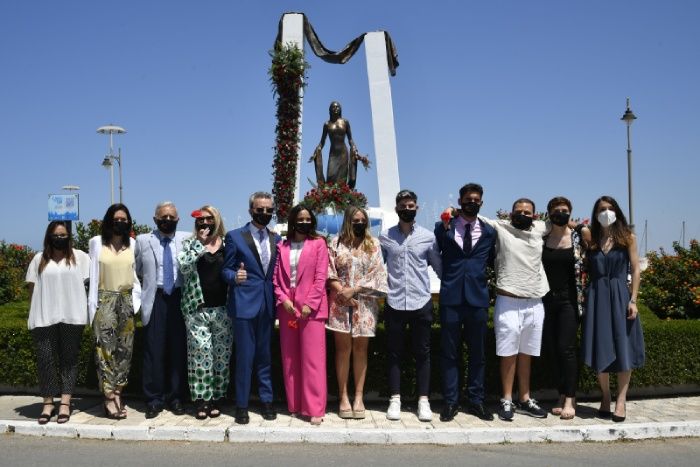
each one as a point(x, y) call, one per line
point(302, 309)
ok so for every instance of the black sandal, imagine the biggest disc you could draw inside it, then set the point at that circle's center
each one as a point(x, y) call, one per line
point(202, 411)
point(214, 410)
point(45, 417)
point(111, 415)
point(63, 418)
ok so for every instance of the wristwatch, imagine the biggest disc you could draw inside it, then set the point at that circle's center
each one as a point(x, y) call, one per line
point(634, 302)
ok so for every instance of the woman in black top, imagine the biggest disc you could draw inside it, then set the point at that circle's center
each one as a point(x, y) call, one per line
point(209, 331)
point(561, 257)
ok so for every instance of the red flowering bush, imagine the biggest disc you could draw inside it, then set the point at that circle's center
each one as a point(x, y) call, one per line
point(288, 77)
point(670, 286)
point(14, 260)
point(337, 196)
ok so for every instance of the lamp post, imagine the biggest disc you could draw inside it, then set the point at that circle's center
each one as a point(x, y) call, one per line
point(629, 118)
point(108, 161)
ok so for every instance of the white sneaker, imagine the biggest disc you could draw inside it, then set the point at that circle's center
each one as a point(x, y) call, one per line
point(394, 410)
point(424, 412)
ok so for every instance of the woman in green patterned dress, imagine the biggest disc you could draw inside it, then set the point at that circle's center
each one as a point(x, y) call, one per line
point(209, 331)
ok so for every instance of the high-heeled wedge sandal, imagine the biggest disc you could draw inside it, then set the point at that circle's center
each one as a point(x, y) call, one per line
point(122, 405)
point(63, 418)
point(45, 417)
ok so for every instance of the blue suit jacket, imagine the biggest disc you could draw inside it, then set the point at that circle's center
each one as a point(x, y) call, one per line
point(464, 276)
point(255, 295)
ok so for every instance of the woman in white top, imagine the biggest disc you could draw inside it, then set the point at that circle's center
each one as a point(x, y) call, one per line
point(57, 316)
point(115, 295)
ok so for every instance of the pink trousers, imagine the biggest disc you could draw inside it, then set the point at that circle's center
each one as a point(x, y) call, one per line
point(303, 348)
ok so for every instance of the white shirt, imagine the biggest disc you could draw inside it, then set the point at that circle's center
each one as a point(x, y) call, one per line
point(519, 269)
point(159, 258)
point(59, 291)
point(294, 254)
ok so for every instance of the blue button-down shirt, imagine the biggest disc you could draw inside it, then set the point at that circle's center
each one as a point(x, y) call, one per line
point(407, 258)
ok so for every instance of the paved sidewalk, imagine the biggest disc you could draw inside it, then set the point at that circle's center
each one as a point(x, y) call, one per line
point(647, 418)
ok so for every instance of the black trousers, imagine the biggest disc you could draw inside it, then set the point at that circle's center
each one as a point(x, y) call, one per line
point(419, 322)
point(165, 352)
point(57, 354)
point(561, 323)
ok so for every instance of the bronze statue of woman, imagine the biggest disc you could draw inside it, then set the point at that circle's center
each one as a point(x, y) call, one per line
point(342, 166)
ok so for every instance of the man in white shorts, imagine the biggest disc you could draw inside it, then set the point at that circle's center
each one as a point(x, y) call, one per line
point(520, 285)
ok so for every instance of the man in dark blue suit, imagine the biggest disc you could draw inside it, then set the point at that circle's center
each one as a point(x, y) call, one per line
point(467, 247)
point(250, 254)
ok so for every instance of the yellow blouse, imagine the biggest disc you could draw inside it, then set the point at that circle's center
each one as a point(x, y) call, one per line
point(116, 269)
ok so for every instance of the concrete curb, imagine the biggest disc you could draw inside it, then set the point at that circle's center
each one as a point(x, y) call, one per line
point(325, 435)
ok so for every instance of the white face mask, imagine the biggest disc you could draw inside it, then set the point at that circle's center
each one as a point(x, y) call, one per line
point(607, 218)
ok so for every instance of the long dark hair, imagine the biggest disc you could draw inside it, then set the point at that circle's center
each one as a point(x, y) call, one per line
point(49, 250)
point(292, 220)
point(108, 224)
point(619, 231)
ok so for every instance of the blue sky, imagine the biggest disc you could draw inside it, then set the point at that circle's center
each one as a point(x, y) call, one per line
point(523, 97)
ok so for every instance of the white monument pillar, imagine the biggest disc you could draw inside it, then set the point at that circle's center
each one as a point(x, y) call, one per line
point(382, 124)
point(293, 31)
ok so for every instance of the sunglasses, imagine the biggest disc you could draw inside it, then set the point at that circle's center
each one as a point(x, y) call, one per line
point(264, 210)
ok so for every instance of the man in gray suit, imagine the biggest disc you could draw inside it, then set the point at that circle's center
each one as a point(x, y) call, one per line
point(165, 346)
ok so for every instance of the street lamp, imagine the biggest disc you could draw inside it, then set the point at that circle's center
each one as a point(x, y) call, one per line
point(108, 161)
point(629, 118)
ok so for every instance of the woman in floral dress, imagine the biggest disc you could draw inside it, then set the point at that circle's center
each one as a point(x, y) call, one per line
point(357, 278)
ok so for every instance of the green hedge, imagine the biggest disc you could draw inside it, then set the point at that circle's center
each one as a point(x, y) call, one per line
point(672, 350)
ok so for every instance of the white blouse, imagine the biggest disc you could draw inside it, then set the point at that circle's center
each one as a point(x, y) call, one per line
point(294, 254)
point(59, 291)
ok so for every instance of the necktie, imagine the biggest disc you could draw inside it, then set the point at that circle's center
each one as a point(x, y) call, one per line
point(168, 273)
point(264, 250)
point(467, 238)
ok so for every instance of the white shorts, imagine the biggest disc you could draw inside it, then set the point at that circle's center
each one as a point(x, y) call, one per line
point(518, 325)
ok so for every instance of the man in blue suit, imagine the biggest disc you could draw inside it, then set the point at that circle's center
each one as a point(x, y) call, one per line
point(467, 246)
point(165, 340)
point(250, 255)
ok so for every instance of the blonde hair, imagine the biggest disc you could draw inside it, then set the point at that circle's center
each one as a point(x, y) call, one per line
point(219, 229)
point(347, 236)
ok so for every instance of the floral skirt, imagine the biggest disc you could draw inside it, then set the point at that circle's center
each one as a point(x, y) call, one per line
point(113, 327)
point(359, 321)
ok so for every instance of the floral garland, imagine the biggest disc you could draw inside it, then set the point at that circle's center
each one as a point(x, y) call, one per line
point(288, 78)
point(337, 196)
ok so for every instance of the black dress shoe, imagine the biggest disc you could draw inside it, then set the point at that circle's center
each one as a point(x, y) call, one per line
point(241, 416)
point(449, 412)
point(152, 411)
point(268, 411)
point(176, 408)
point(480, 411)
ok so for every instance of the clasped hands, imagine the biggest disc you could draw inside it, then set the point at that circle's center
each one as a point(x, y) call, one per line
point(289, 308)
point(345, 297)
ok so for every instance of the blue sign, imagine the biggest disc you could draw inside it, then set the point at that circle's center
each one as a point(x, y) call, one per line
point(64, 208)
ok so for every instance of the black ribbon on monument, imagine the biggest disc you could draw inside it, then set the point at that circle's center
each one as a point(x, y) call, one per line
point(348, 51)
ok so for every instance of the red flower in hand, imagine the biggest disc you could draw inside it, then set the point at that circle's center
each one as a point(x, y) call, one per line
point(445, 216)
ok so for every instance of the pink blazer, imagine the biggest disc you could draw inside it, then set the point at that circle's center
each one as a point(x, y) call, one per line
point(312, 272)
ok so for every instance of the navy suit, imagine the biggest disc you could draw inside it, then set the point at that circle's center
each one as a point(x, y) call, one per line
point(464, 302)
point(251, 307)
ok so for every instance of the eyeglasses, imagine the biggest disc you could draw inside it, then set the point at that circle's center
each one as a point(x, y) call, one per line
point(264, 210)
point(202, 219)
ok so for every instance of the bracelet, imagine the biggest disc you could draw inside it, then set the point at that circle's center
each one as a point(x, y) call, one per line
point(633, 302)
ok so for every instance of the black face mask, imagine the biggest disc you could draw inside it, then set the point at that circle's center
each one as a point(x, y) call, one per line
point(470, 208)
point(206, 226)
point(407, 215)
point(359, 229)
point(167, 226)
point(122, 228)
point(521, 221)
point(59, 243)
point(262, 218)
point(303, 227)
point(559, 218)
